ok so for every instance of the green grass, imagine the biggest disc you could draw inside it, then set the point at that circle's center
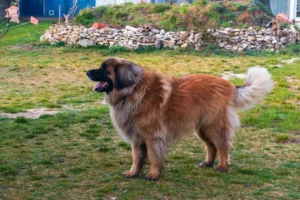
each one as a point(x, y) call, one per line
point(198, 16)
point(77, 153)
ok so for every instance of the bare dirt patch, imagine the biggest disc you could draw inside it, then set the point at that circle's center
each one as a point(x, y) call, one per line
point(290, 61)
point(293, 82)
point(31, 114)
point(231, 75)
point(23, 47)
point(294, 141)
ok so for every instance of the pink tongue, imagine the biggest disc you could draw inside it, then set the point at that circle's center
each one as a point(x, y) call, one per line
point(99, 85)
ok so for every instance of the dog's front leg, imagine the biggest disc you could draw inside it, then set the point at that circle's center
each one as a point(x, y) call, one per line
point(138, 157)
point(156, 151)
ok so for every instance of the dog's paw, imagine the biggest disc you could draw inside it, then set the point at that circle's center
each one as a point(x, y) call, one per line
point(205, 164)
point(130, 174)
point(152, 177)
point(220, 169)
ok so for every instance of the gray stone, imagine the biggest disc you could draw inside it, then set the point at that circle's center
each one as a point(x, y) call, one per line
point(267, 38)
point(159, 36)
point(244, 45)
point(155, 31)
point(158, 44)
point(240, 50)
point(131, 29)
point(260, 39)
point(224, 32)
point(197, 46)
point(146, 44)
point(191, 37)
point(236, 38)
point(85, 43)
point(198, 37)
point(185, 45)
point(46, 37)
point(169, 43)
point(222, 45)
point(83, 35)
point(162, 31)
point(283, 40)
point(251, 38)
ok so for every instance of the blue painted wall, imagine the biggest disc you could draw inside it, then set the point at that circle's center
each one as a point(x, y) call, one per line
point(50, 8)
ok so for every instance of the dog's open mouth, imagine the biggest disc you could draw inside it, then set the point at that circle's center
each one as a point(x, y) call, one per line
point(100, 86)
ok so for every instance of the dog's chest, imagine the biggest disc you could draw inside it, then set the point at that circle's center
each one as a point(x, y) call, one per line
point(123, 119)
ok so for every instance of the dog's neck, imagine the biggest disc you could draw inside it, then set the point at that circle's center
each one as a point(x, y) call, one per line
point(116, 97)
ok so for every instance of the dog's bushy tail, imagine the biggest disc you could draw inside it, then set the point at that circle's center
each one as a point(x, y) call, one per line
point(258, 84)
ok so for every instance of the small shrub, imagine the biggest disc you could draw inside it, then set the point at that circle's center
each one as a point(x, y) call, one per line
point(85, 17)
point(201, 2)
point(293, 48)
point(100, 11)
point(117, 49)
point(218, 7)
point(159, 8)
point(59, 44)
point(8, 169)
point(184, 9)
point(121, 14)
point(128, 3)
point(227, 24)
point(145, 50)
point(238, 7)
point(124, 145)
point(247, 171)
point(76, 170)
point(282, 138)
point(46, 162)
point(21, 120)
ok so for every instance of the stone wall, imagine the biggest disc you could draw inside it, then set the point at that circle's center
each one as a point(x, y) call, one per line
point(235, 40)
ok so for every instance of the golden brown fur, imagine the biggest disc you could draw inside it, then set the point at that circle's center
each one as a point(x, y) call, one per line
point(155, 110)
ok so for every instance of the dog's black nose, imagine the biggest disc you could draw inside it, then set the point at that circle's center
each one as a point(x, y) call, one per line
point(88, 73)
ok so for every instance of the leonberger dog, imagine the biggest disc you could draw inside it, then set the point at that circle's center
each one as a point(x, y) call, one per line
point(151, 110)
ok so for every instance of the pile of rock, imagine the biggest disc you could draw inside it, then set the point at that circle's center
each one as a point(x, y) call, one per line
point(235, 40)
point(129, 37)
point(238, 40)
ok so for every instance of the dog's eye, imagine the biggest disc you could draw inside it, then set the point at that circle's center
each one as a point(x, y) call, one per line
point(105, 70)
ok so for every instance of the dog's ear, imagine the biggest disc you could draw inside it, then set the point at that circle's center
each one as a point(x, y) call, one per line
point(127, 74)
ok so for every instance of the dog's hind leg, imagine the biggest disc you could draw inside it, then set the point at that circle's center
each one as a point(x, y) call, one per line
point(139, 154)
point(222, 140)
point(156, 151)
point(225, 127)
point(223, 150)
point(211, 151)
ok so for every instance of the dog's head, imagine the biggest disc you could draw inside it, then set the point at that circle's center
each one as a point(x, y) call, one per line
point(115, 73)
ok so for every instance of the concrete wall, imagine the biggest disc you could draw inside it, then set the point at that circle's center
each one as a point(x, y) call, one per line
point(4, 4)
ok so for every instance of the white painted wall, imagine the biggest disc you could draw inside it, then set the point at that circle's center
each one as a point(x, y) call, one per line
point(109, 2)
point(292, 10)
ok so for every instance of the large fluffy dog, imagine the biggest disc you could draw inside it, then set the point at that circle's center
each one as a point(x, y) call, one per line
point(150, 110)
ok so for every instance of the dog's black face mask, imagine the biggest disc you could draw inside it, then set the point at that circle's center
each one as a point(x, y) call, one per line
point(102, 76)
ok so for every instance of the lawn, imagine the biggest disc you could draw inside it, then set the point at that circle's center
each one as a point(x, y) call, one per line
point(77, 153)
